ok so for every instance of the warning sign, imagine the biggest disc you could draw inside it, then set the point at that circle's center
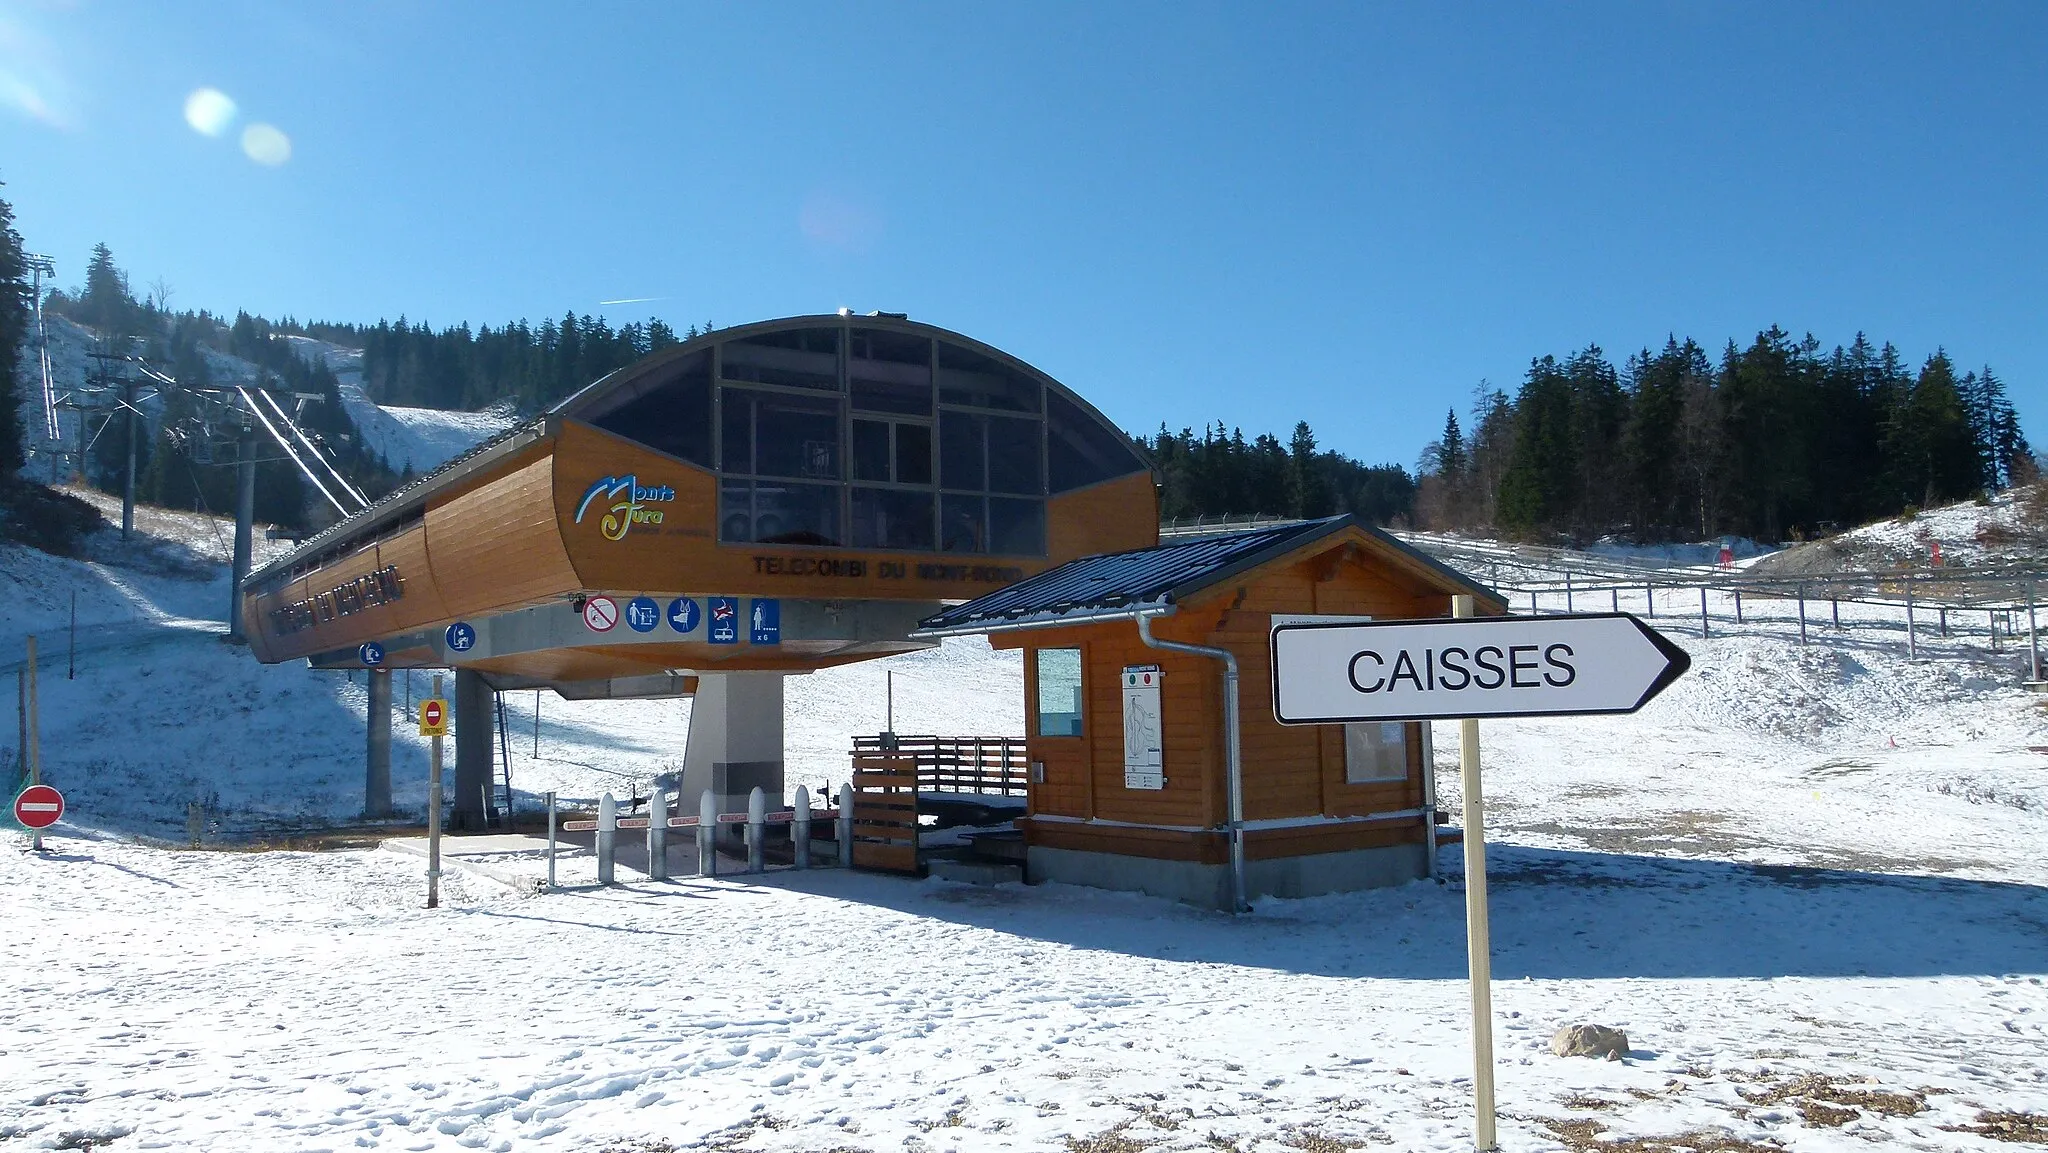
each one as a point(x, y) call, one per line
point(434, 717)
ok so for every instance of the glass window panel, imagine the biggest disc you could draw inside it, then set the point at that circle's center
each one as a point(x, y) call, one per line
point(1375, 751)
point(961, 454)
point(878, 396)
point(736, 437)
point(913, 454)
point(963, 524)
point(1016, 527)
point(804, 358)
point(870, 450)
point(736, 511)
point(672, 416)
point(1013, 455)
point(787, 513)
point(889, 371)
point(1059, 692)
point(971, 378)
point(892, 518)
point(1080, 450)
point(795, 435)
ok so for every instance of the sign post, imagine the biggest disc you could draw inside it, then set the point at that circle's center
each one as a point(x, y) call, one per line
point(436, 709)
point(1464, 669)
point(32, 750)
point(1478, 936)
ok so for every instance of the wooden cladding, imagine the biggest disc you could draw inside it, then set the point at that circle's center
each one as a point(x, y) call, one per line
point(496, 545)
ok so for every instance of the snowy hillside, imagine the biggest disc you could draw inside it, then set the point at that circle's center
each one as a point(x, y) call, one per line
point(421, 439)
point(2007, 527)
point(1807, 881)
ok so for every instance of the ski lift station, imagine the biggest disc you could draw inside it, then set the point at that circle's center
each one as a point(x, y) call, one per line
point(780, 497)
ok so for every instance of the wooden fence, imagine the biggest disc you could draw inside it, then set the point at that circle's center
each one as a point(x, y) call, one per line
point(992, 765)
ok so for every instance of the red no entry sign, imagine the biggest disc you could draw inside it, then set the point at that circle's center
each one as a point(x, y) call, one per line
point(39, 806)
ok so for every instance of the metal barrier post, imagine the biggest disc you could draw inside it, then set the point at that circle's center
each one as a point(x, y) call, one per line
point(707, 835)
point(607, 837)
point(1703, 612)
point(800, 828)
point(1738, 606)
point(1943, 618)
point(551, 840)
point(1802, 613)
point(846, 825)
point(2033, 639)
point(1617, 598)
point(1568, 592)
point(1993, 617)
point(1912, 636)
point(757, 829)
point(1650, 600)
point(657, 835)
point(1835, 607)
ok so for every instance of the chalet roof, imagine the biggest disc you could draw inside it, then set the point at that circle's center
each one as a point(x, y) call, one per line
point(1119, 585)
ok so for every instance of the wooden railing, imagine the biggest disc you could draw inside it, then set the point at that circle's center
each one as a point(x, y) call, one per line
point(994, 765)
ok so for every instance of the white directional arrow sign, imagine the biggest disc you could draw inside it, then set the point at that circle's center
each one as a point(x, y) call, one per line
point(1475, 667)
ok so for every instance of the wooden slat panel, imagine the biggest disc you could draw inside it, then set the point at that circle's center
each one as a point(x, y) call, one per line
point(887, 858)
point(498, 545)
point(866, 808)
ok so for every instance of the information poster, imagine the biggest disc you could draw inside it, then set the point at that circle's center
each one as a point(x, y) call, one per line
point(1144, 767)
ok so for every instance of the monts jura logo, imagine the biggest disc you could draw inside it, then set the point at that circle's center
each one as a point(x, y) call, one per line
point(625, 504)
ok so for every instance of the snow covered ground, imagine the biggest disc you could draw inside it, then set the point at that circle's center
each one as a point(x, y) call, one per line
point(421, 439)
point(1808, 882)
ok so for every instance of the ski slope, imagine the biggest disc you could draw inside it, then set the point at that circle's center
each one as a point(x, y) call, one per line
point(1807, 881)
point(419, 439)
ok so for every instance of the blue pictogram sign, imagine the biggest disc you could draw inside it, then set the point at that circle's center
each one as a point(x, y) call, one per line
point(725, 621)
point(372, 653)
point(683, 615)
point(461, 637)
point(765, 623)
point(643, 614)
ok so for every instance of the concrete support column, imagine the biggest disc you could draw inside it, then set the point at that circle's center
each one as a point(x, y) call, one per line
point(475, 730)
point(377, 761)
point(735, 742)
point(245, 526)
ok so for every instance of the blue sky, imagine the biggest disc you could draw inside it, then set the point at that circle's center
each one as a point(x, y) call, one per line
point(1188, 212)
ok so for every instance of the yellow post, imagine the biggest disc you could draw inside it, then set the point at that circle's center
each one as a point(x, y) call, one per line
point(1478, 948)
point(434, 816)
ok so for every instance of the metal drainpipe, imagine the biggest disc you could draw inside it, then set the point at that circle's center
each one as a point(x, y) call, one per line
point(1234, 758)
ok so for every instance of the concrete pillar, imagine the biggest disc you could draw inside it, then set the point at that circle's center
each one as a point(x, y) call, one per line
point(475, 731)
point(245, 526)
point(735, 741)
point(377, 763)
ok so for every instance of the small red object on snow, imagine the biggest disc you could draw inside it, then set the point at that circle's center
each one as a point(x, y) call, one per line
point(39, 807)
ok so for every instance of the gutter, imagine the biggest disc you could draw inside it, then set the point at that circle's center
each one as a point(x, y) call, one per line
point(981, 626)
point(1231, 736)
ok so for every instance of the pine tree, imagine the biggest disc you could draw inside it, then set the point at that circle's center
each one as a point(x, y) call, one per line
point(15, 316)
point(106, 303)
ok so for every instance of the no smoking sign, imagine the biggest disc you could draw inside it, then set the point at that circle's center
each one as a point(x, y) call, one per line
point(600, 614)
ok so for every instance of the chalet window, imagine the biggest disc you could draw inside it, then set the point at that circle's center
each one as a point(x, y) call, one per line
point(1375, 751)
point(1059, 692)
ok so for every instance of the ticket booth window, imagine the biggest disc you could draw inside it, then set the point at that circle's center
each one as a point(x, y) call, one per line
point(1059, 692)
point(1375, 751)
